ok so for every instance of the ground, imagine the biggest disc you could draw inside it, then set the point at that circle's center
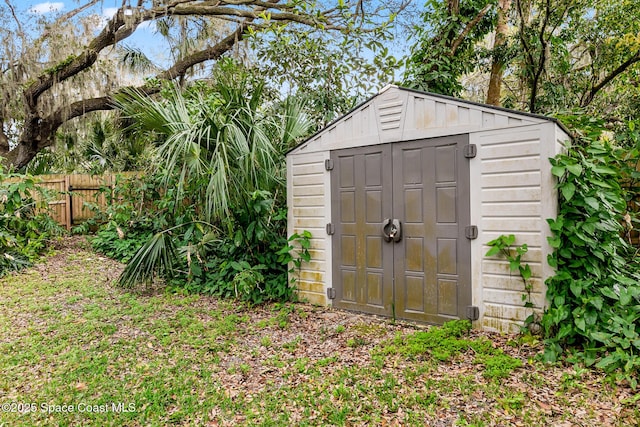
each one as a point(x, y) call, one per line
point(76, 350)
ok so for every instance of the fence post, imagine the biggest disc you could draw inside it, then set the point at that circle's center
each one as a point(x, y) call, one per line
point(68, 202)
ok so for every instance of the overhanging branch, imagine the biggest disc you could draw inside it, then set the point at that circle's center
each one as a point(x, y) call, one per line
point(468, 28)
point(119, 27)
point(52, 122)
point(588, 97)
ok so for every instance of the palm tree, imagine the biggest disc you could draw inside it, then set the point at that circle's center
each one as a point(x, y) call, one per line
point(217, 144)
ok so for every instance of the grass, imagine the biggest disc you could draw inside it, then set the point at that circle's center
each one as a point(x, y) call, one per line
point(75, 351)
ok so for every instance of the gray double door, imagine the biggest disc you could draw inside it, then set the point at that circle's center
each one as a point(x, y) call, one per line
point(400, 212)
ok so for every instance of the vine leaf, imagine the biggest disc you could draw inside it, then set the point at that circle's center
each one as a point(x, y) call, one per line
point(568, 191)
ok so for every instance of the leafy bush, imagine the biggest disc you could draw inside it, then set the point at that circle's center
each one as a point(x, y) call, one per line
point(221, 149)
point(247, 263)
point(24, 228)
point(246, 257)
point(595, 293)
point(134, 211)
point(115, 243)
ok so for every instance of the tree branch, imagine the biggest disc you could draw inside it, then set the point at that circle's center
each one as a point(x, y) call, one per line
point(205, 10)
point(212, 52)
point(541, 59)
point(523, 39)
point(66, 17)
point(85, 60)
point(467, 29)
point(589, 96)
point(51, 123)
point(38, 131)
point(119, 28)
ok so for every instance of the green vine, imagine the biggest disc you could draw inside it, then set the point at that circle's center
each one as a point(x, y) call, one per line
point(296, 251)
point(595, 294)
point(504, 245)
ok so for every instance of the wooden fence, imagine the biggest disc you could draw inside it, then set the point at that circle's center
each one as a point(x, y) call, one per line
point(70, 192)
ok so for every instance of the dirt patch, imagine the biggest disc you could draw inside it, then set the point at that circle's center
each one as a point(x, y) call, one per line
point(69, 252)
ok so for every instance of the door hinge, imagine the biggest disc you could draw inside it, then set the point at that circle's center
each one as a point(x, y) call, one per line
point(473, 312)
point(328, 164)
point(331, 230)
point(471, 232)
point(331, 293)
point(470, 151)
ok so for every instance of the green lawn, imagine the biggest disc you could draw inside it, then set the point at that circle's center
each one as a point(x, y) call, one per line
point(74, 350)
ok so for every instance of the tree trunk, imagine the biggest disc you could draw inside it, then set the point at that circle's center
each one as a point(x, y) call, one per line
point(497, 66)
point(4, 141)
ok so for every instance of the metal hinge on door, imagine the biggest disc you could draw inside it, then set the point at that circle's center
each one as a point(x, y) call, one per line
point(328, 164)
point(470, 151)
point(331, 293)
point(471, 232)
point(331, 230)
point(473, 312)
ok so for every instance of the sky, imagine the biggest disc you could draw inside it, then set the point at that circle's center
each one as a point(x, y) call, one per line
point(106, 9)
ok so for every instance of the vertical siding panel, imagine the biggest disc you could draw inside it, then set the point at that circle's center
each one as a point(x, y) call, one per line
point(429, 113)
point(475, 117)
point(411, 117)
point(488, 119)
point(463, 116)
point(452, 118)
point(507, 204)
point(366, 122)
point(441, 114)
point(307, 201)
point(501, 120)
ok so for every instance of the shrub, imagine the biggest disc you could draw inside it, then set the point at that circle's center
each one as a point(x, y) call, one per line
point(595, 293)
point(134, 211)
point(246, 263)
point(220, 148)
point(25, 227)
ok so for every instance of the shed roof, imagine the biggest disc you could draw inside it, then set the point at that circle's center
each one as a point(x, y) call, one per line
point(402, 114)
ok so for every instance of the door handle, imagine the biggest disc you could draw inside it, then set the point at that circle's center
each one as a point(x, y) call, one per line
point(386, 230)
point(396, 230)
point(392, 230)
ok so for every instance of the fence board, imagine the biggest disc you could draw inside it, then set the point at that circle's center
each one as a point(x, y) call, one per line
point(70, 192)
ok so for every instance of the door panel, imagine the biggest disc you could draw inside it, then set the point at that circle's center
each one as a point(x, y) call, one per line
point(424, 184)
point(363, 275)
point(432, 278)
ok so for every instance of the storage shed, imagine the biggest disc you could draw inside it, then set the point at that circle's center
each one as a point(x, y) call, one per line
point(401, 196)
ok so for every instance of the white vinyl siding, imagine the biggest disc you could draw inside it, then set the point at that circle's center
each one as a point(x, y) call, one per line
point(306, 200)
point(509, 201)
point(512, 190)
point(401, 115)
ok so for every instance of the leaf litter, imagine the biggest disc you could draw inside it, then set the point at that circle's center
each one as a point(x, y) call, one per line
point(224, 363)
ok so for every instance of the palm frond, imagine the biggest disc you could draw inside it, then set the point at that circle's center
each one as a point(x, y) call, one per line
point(296, 123)
point(219, 143)
point(155, 258)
